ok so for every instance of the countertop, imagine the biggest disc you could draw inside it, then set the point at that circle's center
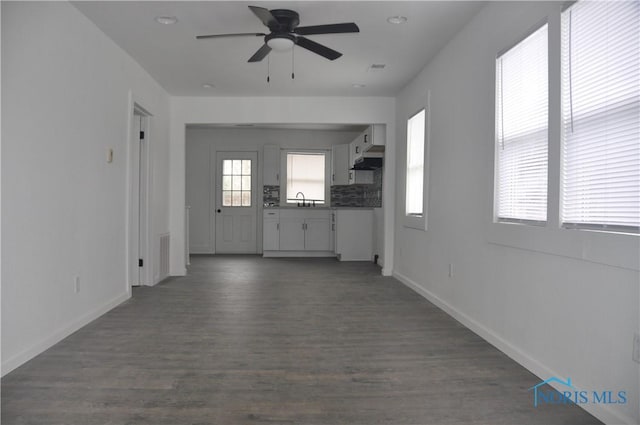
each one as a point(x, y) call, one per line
point(318, 208)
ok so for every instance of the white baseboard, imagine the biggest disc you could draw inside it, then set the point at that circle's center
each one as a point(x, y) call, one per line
point(19, 359)
point(603, 413)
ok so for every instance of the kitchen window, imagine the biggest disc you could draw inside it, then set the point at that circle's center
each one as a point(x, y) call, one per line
point(306, 174)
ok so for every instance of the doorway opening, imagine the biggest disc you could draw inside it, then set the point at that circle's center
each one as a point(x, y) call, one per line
point(139, 260)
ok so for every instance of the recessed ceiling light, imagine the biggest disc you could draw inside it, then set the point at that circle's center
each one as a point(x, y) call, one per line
point(208, 86)
point(166, 20)
point(397, 19)
point(358, 86)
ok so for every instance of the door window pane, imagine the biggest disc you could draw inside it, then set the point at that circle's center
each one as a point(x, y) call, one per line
point(236, 183)
point(226, 198)
point(226, 182)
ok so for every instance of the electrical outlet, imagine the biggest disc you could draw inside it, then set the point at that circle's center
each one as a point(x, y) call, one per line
point(450, 270)
point(636, 348)
point(76, 284)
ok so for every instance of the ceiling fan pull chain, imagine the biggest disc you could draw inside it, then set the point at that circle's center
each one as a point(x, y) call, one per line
point(293, 76)
point(268, 69)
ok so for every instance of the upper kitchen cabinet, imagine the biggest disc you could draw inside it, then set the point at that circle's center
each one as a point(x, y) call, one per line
point(374, 138)
point(370, 142)
point(340, 165)
point(271, 168)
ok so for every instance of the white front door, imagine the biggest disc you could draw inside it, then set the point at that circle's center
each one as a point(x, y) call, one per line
point(236, 198)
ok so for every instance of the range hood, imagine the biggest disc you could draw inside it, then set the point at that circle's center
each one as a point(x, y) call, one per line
point(367, 163)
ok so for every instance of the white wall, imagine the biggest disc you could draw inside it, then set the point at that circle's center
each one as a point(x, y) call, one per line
point(67, 94)
point(273, 110)
point(203, 143)
point(561, 302)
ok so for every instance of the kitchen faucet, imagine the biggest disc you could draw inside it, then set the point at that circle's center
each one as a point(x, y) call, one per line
point(303, 199)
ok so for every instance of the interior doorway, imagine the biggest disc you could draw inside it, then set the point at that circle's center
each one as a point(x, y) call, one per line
point(138, 259)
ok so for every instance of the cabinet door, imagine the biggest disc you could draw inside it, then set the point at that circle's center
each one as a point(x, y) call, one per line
point(291, 234)
point(271, 235)
point(318, 234)
point(355, 151)
point(340, 165)
point(354, 235)
point(366, 139)
point(271, 166)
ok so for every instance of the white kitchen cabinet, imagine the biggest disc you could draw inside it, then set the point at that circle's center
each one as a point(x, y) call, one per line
point(354, 234)
point(317, 235)
point(370, 142)
point(271, 165)
point(374, 138)
point(292, 234)
point(355, 150)
point(340, 165)
point(300, 232)
point(271, 230)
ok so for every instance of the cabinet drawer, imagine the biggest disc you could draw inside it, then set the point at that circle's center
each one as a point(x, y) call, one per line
point(271, 214)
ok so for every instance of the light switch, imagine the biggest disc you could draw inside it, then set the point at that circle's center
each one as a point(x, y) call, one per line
point(109, 155)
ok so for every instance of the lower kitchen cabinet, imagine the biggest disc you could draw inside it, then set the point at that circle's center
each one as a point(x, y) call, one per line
point(299, 232)
point(271, 230)
point(317, 235)
point(292, 234)
point(354, 234)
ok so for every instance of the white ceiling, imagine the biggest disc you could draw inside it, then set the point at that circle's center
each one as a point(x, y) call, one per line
point(182, 64)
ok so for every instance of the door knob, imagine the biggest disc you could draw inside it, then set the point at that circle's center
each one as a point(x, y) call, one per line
point(218, 210)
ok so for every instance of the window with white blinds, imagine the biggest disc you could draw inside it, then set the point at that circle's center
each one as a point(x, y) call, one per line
point(521, 129)
point(306, 174)
point(601, 115)
point(415, 164)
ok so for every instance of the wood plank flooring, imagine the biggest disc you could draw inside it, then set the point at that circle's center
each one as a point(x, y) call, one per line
point(247, 340)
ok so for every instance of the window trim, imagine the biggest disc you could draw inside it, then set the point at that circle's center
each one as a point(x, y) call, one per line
point(284, 176)
point(419, 221)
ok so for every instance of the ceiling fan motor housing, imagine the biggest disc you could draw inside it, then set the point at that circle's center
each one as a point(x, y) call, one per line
point(287, 20)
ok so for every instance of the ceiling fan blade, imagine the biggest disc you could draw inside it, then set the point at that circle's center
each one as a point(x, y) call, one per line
point(240, 34)
point(327, 29)
point(318, 48)
point(264, 15)
point(260, 54)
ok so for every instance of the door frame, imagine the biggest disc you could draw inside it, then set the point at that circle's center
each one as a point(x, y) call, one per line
point(138, 198)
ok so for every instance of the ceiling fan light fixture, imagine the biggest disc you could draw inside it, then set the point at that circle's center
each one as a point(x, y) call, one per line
point(280, 43)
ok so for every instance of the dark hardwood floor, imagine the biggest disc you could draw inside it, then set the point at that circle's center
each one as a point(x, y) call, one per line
point(247, 340)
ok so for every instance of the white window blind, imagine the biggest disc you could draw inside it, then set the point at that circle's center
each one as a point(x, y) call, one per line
point(415, 164)
point(305, 173)
point(521, 129)
point(601, 115)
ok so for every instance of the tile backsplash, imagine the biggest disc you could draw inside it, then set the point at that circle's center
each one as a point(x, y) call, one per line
point(271, 195)
point(359, 195)
point(354, 195)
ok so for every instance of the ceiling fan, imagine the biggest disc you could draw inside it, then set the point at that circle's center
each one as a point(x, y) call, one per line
point(285, 32)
